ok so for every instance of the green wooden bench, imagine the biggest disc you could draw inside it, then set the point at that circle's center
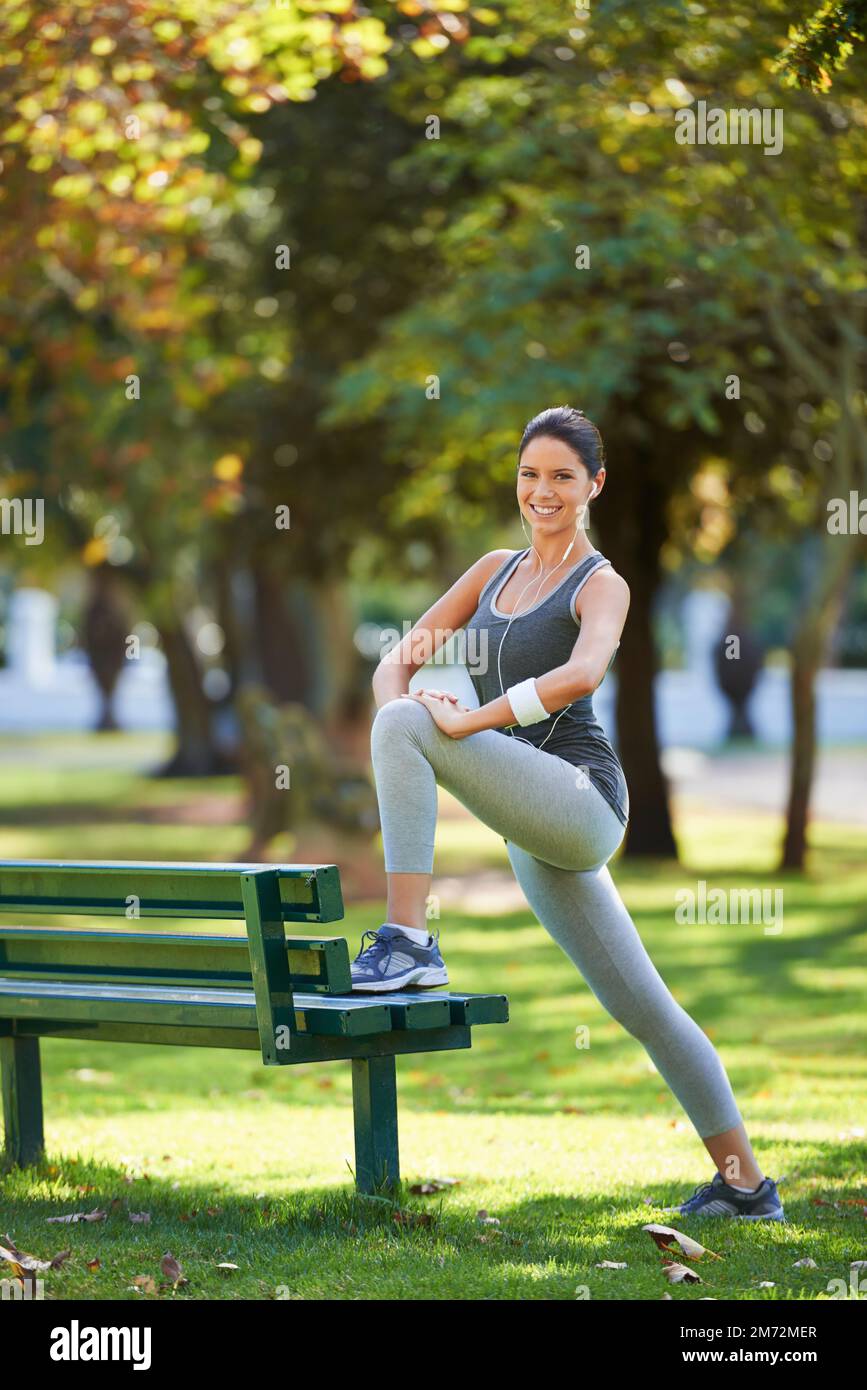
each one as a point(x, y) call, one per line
point(288, 996)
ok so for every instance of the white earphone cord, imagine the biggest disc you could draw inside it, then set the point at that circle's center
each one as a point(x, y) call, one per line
point(515, 614)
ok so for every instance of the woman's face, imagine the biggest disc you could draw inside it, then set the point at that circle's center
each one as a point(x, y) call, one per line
point(554, 485)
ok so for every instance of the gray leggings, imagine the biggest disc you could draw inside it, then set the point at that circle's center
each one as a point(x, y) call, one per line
point(559, 832)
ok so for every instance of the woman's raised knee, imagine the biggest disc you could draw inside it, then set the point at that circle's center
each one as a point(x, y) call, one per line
point(399, 719)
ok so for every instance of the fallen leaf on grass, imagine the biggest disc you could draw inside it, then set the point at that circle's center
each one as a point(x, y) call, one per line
point(26, 1267)
point(140, 1217)
point(428, 1185)
point(21, 1262)
point(145, 1282)
point(664, 1235)
point(225, 1265)
point(806, 1263)
point(93, 1264)
point(75, 1216)
point(172, 1271)
point(677, 1273)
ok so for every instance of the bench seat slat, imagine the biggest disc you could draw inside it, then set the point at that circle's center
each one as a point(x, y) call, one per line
point(197, 1007)
point(314, 1013)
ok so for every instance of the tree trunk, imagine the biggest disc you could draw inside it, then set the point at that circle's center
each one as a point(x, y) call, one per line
point(284, 635)
point(343, 687)
point(650, 830)
point(833, 569)
point(805, 666)
point(197, 753)
point(632, 524)
point(104, 631)
point(304, 641)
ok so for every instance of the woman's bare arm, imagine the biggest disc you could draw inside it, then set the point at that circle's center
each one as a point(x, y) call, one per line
point(445, 617)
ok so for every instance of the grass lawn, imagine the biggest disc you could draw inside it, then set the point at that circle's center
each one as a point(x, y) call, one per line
point(569, 1150)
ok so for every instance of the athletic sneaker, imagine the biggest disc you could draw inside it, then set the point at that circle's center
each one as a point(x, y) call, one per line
point(719, 1198)
point(393, 960)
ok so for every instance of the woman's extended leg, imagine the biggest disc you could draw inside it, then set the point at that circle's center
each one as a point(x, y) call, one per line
point(586, 916)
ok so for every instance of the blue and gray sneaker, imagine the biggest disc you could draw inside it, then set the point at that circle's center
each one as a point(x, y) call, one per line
point(393, 960)
point(719, 1198)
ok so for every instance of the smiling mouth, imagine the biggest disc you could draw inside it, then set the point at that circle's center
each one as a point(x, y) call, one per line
point(544, 511)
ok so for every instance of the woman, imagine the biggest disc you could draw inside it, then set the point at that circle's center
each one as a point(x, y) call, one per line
point(555, 790)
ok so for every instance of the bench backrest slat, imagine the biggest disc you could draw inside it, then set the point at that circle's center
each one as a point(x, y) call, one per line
point(132, 889)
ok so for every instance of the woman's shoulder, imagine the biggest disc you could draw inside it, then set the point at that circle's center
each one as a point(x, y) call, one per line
point(488, 565)
point(475, 582)
point(609, 577)
point(599, 580)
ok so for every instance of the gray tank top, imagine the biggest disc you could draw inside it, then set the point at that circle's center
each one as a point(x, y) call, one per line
point(539, 639)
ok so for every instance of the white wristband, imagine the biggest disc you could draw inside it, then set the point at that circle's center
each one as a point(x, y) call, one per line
point(526, 705)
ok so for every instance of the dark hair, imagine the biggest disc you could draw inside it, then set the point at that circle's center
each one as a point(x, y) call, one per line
point(571, 427)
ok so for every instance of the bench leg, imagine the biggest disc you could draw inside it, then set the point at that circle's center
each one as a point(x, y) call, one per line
point(374, 1100)
point(22, 1101)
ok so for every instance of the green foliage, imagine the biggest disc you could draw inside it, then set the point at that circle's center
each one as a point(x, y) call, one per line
point(823, 44)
